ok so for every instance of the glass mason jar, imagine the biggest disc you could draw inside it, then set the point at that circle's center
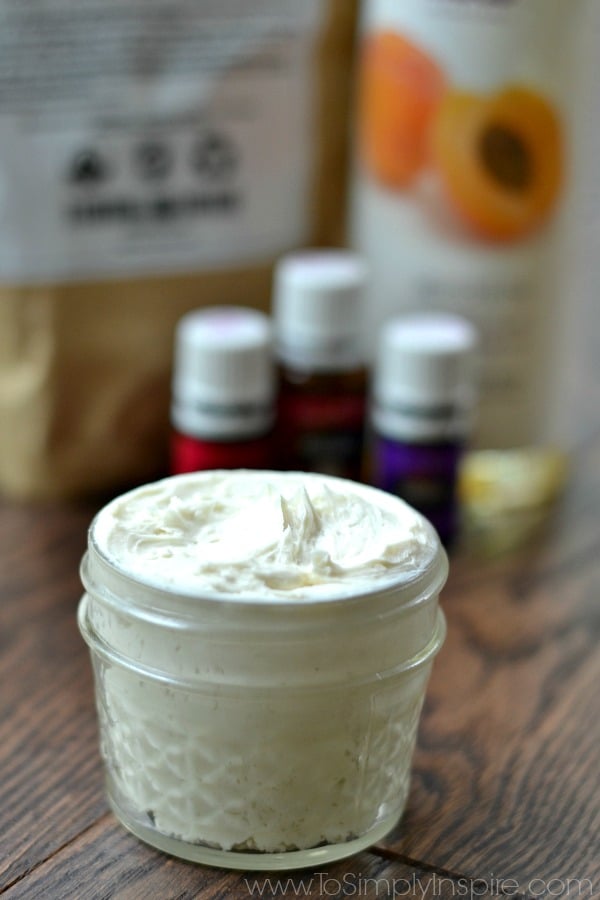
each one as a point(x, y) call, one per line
point(258, 734)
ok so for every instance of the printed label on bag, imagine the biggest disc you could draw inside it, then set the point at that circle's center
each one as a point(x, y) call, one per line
point(153, 135)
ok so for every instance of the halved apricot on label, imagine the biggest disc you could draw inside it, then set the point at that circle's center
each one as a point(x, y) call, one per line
point(500, 160)
point(400, 87)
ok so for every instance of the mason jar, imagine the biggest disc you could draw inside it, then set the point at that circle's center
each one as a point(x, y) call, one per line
point(253, 732)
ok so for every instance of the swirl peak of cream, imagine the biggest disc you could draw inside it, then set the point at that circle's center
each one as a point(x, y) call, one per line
point(264, 534)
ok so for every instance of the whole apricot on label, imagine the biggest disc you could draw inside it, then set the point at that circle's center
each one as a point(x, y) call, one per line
point(400, 87)
point(500, 160)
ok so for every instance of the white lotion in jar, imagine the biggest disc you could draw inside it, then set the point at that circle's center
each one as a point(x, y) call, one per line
point(262, 643)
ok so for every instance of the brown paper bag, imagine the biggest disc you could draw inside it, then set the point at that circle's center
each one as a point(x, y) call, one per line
point(85, 355)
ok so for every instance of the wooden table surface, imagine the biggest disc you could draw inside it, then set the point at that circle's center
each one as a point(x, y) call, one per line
point(504, 797)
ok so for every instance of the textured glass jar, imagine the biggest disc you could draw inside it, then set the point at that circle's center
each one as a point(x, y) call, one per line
point(258, 734)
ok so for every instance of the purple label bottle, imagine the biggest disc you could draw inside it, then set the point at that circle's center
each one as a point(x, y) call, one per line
point(425, 475)
point(421, 412)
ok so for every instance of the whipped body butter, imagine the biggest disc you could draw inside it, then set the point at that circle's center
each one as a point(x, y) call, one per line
point(261, 643)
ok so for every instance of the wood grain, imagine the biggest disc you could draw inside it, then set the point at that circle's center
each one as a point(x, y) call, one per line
point(507, 770)
point(109, 864)
point(50, 780)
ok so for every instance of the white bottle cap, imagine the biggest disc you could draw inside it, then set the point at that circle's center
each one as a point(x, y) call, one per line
point(224, 379)
point(317, 308)
point(424, 377)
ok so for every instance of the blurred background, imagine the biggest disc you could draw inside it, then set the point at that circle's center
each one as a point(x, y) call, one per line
point(165, 157)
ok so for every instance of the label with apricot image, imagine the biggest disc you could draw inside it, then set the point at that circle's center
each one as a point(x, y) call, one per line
point(491, 162)
point(460, 182)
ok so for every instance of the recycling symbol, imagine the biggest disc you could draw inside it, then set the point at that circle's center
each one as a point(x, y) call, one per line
point(153, 160)
point(214, 156)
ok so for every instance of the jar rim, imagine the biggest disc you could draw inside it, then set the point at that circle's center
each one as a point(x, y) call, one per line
point(430, 571)
point(430, 579)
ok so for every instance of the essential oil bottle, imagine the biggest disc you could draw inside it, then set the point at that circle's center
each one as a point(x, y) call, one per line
point(421, 413)
point(322, 377)
point(224, 391)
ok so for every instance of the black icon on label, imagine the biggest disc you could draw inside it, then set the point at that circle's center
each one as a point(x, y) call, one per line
point(88, 167)
point(214, 156)
point(153, 160)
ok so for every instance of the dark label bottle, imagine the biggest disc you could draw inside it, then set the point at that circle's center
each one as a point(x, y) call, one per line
point(322, 377)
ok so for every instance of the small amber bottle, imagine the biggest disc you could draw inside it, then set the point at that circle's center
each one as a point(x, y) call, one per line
point(317, 311)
